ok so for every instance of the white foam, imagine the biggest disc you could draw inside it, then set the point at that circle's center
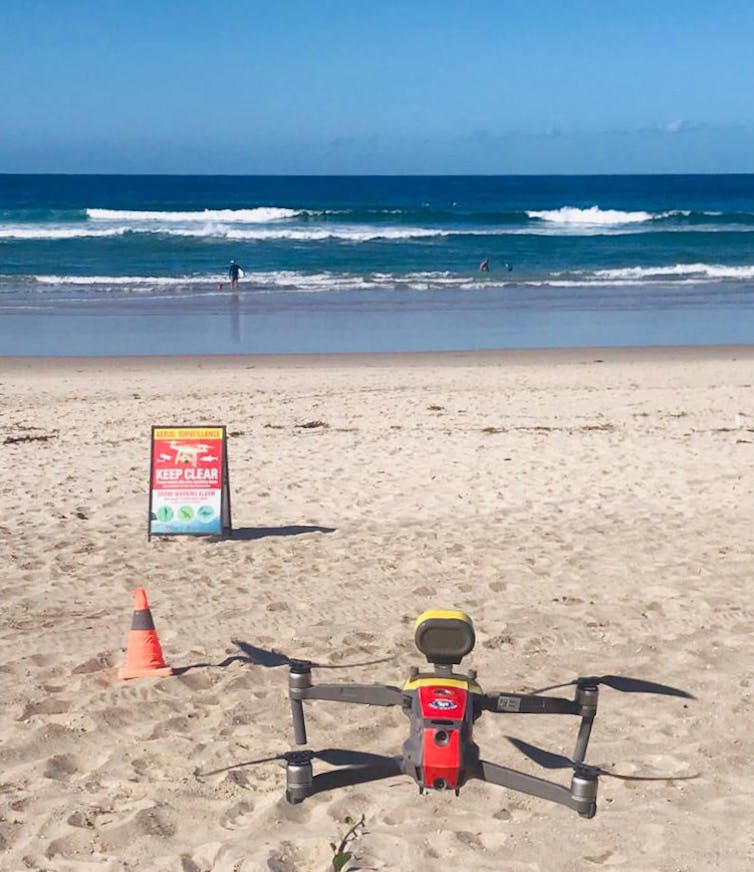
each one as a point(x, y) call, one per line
point(294, 281)
point(281, 280)
point(679, 270)
point(592, 216)
point(312, 233)
point(347, 233)
point(223, 231)
point(41, 232)
point(320, 232)
point(167, 281)
point(258, 215)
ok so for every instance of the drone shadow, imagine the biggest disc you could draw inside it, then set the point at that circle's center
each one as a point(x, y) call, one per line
point(255, 656)
point(251, 533)
point(260, 656)
point(235, 658)
point(250, 654)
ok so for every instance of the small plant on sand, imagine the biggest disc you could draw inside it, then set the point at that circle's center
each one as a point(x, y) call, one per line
point(342, 855)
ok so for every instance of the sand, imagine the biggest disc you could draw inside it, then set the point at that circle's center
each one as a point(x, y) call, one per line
point(591, 510)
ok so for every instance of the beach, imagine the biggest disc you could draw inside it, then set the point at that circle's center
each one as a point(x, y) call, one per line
point(590, 509)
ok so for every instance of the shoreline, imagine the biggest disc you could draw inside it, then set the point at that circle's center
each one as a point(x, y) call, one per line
point(606, 354)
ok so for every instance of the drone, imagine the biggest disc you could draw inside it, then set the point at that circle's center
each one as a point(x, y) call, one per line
point(442, 706)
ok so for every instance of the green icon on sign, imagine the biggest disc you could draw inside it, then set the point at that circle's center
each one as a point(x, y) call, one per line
point(205, 513)
point(165, 514)
point(185, 513)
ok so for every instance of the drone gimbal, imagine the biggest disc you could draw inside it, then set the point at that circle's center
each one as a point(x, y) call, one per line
point(442, 706)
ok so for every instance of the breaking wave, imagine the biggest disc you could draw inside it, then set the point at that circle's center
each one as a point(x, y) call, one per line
point(298, 281)
point(74, 232)
point(595, 216)
point(679, 270)
point(258, 215)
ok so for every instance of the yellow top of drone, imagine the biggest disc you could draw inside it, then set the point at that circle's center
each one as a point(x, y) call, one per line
point(444, 636)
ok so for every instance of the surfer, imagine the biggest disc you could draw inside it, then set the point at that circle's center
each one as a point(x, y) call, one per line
point(234, 271)
point(484, 266)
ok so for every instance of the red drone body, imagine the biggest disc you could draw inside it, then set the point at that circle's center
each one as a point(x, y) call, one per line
point(442, 726)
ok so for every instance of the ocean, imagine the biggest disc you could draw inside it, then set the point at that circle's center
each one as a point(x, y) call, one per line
point(139, 264)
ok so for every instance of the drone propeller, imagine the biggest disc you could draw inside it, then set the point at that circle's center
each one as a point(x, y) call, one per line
point(549, 760)
point(623, 684)
point(270, 658)
point(333, 756)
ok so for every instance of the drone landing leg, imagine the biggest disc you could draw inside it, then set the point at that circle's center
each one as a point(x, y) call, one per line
point(299, 680)
point(586, 697)
point(298, 778)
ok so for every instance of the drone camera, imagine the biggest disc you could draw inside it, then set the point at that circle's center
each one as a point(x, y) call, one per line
point(442, 737)
point(444, 636)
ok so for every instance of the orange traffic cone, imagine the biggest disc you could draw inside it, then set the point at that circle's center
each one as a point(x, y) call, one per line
point(144, 654)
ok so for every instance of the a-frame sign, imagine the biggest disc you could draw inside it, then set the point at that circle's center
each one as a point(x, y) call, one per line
point(189, 485)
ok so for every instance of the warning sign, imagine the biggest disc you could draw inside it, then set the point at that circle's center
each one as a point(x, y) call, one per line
point(189, 489)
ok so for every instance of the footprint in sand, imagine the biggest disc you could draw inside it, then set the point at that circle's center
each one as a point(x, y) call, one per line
point(238, 816)
point(102, 661)
point(62, 766)
point(423, 591)
point(49, 706)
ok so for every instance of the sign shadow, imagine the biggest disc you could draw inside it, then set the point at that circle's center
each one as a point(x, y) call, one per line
point(251, 533)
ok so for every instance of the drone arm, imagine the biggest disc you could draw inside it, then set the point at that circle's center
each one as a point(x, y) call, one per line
point(581, 797)
point(583, 704)
point(300, 687)
point(528, 704)
point(514, 780)
point(365, 694)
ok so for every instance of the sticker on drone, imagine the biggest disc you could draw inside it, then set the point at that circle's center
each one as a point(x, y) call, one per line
point(443, 704)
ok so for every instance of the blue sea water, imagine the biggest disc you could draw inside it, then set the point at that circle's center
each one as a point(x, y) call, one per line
point(138, 264)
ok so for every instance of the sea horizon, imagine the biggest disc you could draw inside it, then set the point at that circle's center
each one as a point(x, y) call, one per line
point(346, 175)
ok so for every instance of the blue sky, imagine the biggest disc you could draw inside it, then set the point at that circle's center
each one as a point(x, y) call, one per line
point(376, 86)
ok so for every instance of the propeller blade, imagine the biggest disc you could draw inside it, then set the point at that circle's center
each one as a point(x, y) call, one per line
point(354, 665)
point(551, 687)
point(333, 756)
point(612, 774)
point(639, 685)
point(548, 760)
point(269, 658)
point(623, 684)
point(238, 765)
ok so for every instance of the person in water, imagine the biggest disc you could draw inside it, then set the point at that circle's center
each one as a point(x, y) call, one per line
point(233, 272)
point(484, 266)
